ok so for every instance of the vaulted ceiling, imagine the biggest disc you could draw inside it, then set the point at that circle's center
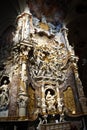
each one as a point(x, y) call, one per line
point(71, 12)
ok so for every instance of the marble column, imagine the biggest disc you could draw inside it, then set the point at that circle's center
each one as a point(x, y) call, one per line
point(59, 100)
point(22, 95)
point(43, 100)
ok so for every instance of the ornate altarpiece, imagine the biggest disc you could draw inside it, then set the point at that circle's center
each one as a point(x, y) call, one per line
point(40, 74)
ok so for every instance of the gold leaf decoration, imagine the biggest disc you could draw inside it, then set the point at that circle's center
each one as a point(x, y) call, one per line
point(69, 100)
point(31, 103)
point(44, 26)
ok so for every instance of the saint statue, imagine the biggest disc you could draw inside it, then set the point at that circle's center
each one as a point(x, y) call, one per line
point(4, 95)
point(50, 100)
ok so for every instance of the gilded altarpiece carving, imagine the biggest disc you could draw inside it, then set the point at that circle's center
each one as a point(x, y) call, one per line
point(43, 73)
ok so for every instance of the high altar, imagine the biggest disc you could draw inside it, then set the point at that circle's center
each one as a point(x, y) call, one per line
point(40, 74)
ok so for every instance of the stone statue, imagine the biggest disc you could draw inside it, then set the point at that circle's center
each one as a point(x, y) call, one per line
point(22, 99)
point(18, 34)
point(4, 95)
point(50, 100)
point(60, 104)
point(22, 103)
